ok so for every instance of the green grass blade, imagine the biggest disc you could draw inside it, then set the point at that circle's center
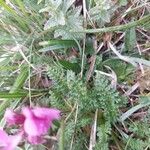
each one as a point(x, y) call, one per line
point(17, 85)
point(21, 6)
point(145, 101)
point(20, 80)
point(12, 95)
point(128, 113)
point(70, 66)
point(57, 44)
point(19, 19)
point(6, 7)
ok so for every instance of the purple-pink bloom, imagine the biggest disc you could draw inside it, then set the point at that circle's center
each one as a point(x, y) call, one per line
point(9, 142)
point(34, 122)
point(13, 118)
point(37, 122)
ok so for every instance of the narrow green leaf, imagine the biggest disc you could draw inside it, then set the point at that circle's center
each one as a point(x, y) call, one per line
point(57, 44)
point(19, 19)
point(70, 66)
point(12, 95)
point(128, 113)
point(21, 6)
point(6, 7)
point(4, 68)
point(18, 84)
point(21, 94)
point(145, 101)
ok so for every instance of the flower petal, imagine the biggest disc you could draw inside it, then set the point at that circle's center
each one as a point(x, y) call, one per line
point(9, 142)
point(14, 141)
point(27, 112)
point(50, 113)
point(34, 126)
point(4, 139)
point(37, 122)
point(13, 118)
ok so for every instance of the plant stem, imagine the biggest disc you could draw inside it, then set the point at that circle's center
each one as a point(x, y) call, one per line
point(141, 21)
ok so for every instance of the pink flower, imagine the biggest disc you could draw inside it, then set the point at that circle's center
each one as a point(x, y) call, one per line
point(13, 118)
point(9, 142)
point(35, 121)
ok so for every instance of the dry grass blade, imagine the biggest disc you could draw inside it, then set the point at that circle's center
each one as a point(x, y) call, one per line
point(133, 60)
point(93, 132)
